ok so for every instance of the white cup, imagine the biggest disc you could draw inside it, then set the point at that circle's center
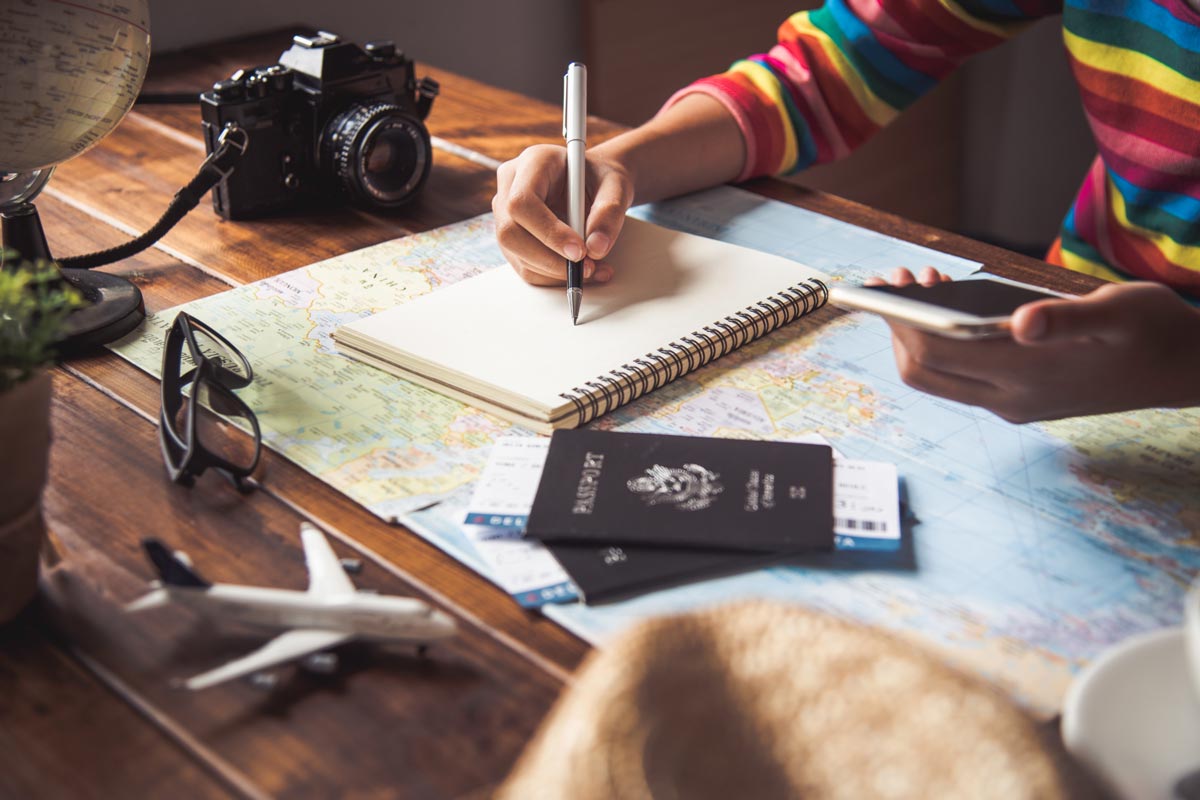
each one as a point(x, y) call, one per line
point(1191, 633)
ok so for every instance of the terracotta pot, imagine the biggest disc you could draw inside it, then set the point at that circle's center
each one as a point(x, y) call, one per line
point(24, 452)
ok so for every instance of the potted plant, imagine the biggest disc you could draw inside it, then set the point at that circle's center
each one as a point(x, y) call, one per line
point(34, 303)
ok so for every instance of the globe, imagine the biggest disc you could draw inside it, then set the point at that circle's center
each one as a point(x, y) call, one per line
point(71, 70)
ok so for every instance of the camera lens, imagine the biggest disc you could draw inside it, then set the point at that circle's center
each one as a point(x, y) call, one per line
point(377, 154)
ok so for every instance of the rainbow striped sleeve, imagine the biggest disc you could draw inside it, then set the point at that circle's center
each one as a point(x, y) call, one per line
point(1137, 215)
point(841, 72)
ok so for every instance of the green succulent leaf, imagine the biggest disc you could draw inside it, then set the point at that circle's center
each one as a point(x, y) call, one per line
point(34, 304)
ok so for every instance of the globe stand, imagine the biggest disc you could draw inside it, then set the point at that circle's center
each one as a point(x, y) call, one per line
point(114, 305)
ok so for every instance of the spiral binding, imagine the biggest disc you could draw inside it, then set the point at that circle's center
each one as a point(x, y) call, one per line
point(643, 375)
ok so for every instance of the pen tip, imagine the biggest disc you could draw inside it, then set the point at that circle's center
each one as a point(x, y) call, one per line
point(574, 296)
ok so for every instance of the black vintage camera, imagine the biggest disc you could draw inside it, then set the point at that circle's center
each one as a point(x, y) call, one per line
point(330, 123)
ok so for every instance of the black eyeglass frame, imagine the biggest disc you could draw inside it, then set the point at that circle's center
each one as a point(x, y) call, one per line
point(187, 458)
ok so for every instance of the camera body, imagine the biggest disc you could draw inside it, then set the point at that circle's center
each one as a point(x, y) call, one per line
point(331, 123)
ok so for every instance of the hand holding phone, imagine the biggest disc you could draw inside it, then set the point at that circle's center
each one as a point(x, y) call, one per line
point(1058, 360)
point(968, 309)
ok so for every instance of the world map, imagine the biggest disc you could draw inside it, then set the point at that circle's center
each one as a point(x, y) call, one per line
point(1028, 549)
point(390, 445)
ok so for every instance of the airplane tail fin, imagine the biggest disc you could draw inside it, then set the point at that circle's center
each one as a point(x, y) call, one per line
point(172, 569)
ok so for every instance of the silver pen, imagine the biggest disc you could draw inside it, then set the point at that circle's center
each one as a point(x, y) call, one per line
point(575, 132)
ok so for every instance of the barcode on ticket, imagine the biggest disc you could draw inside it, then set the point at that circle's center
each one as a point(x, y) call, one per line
point(851, 525)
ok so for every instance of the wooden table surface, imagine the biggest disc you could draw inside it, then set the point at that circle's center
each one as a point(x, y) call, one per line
point(86, 706)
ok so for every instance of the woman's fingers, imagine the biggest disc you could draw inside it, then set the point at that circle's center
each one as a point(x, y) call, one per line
point(612, 198)
point(532, 234)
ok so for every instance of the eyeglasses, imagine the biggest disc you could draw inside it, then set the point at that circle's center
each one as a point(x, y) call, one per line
point(202, 423)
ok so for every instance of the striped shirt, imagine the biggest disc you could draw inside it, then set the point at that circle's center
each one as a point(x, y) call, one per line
point(841, 72)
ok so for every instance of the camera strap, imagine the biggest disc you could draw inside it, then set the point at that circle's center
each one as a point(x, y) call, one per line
point(231, 144)
point(427, 89)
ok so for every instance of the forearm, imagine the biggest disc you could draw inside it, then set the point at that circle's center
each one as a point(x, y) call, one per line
point(692, 145)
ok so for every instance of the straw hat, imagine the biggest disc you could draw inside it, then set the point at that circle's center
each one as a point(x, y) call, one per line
point(768, 700)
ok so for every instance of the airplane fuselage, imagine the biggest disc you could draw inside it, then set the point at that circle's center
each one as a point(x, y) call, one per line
point(365, 615)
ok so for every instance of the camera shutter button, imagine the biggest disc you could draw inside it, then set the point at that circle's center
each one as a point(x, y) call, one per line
point(278, 78)
point(228, 90)
point(256, 86)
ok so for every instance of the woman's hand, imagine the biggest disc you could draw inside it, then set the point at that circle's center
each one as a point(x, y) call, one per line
point(693, 144)
point(902, 277)
point(1124, 346)
point(530, 206)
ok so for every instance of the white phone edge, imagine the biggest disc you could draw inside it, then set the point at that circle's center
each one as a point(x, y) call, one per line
point(926, 316)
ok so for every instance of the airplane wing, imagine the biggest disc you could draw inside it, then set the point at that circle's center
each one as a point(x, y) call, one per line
point(285, 647)
point(326, 576)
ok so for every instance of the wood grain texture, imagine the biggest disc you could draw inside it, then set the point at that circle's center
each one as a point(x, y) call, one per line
point(387, 723)
point(63, 734)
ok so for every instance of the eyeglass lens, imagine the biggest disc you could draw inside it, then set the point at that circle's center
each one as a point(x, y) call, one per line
point(223, 426)
point(217, 351)
point(203, 423)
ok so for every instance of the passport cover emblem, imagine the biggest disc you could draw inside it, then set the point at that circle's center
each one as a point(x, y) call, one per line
point(687, 488)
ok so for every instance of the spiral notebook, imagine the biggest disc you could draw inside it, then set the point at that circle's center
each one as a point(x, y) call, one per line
point(676, 302)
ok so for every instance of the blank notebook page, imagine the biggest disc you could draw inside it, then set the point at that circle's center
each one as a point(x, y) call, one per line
point(498, 337)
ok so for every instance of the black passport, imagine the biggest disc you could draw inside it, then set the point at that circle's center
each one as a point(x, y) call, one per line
point(608, 572)
point(625, 512)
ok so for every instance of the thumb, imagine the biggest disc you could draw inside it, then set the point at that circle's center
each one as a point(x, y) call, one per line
point(1094, 316)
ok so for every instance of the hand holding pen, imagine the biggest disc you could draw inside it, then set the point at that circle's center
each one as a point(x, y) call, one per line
point(690, 145)
point(575, 134)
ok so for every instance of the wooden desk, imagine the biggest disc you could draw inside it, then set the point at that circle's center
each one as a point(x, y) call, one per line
point(85, 703)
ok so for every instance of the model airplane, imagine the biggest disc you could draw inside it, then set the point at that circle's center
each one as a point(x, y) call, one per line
point(331, 612)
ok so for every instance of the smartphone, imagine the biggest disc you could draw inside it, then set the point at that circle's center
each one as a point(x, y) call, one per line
point(968, 309)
